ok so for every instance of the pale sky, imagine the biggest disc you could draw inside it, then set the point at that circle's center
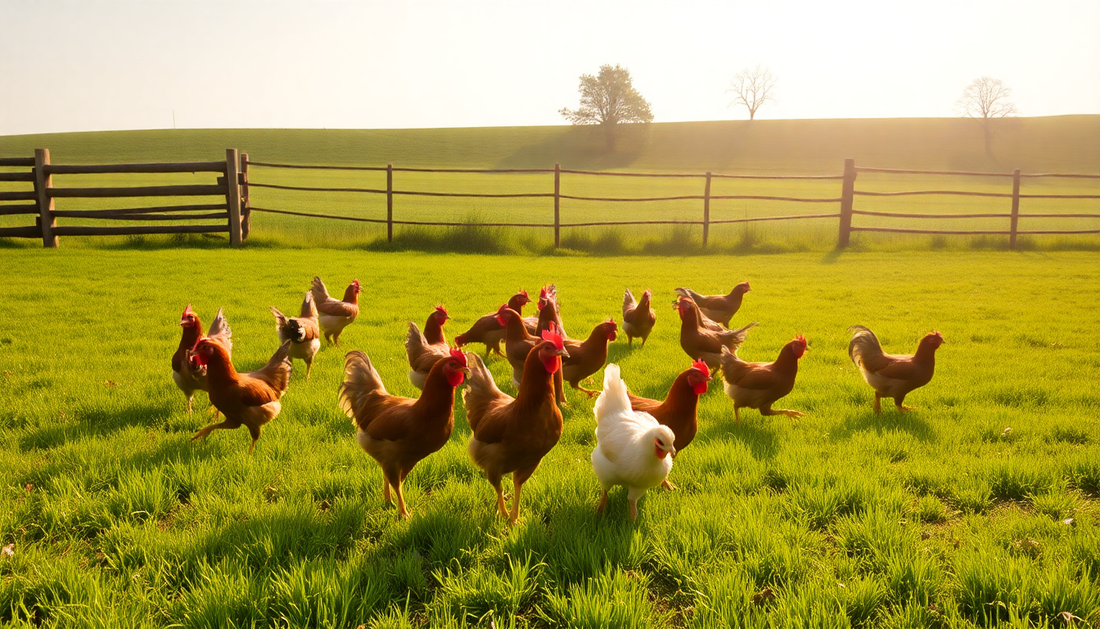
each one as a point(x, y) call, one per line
point(102, 65)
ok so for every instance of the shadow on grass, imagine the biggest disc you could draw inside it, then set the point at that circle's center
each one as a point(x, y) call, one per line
point(96, 423)
point(887, 421)
point(760, 440)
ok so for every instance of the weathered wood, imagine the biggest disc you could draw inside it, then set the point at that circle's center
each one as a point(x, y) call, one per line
point(223, 208)
point(909, 193)
point(899, 171)
point(761, 219)
point(142, 191)
point(381, 221)
point(389, 202)
point(181, 167)
point(847, 191)
point(906, 230)
point(30, 231)
point(233, 195)
point(42, 189)
point(8, 210)
point(706, 211)
point(909, 215)
point(122, 216)
point(16, 161)
point(134, 230)
point(557, 206)
point(19, 196)
point(1015, 220)
point(246, 204)
point(29, 176)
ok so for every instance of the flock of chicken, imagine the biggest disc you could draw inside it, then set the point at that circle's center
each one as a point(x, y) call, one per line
point(637, 438)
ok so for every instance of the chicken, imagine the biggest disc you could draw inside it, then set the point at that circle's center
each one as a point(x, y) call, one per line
point(396, 431)
point(489, 331)
point(423, 352)
point(549, 310)
point(588, 357)
point(638, 317)
point(302, 332)
point(511, 435)
point(251, 399)
point(891, 375)
point(759, 385)
point(720, 308)
point(632, 448)
point(187, 379)
point(335, 315)
point(517, 341)
point(678, 410)
point(703, 344)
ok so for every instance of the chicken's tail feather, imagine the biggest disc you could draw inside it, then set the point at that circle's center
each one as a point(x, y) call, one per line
point(864, 345)
point(613, 399)
point(276, 373)
point(687, 292)
point(317, 288)
point(360, 380)
point(309, 307)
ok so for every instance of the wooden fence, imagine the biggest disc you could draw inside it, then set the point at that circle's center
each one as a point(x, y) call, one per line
point(235, 212)
point(40, 174)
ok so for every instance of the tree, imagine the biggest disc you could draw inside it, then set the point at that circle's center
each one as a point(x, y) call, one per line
point(986, 99)
point(609, 100)
point(753, 88)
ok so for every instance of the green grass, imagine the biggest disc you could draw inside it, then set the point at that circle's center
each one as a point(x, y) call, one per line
point(815, 147)
point(842, 518)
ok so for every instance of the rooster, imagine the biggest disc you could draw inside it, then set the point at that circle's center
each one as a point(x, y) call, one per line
point(511, 435)
point(720, 308)
point(187, 379)
point(424, 350)
point(632, 448)
point(396, 431)
point(678, 410)
point(638, 317)
point(488, 330)
point(251, 399)
point(759, 385)
point(302, 332)
point(335, 314)
point(700, 343)
point(890, 375)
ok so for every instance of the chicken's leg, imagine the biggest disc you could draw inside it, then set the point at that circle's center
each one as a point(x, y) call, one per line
point(255, 432)
point(223, 425)
point(309, 367)
point(768, 410)
point(402, 511)
point(386, 489)
point(588, 392)
point(602, 504)
point(500, 497)
point(736, 414)
point(667, 484)
point(518, 484)
point(878, 402)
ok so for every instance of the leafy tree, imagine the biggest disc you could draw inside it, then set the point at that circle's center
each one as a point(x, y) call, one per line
point(986, 99)
point(753, 88)
point(609, 100)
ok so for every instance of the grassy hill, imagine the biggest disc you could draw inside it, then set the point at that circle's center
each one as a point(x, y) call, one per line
point(1061, 143)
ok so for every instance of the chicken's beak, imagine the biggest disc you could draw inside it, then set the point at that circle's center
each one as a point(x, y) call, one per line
point(562, 352)
point(672, 452)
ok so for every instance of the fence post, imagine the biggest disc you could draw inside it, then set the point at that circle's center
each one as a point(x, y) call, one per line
point(706, 212)
point(42, 184)
point(1015, 209)
point(246, 205)
point(557, 205)
point(389, 202)
point(233, 195)
point(847, 191)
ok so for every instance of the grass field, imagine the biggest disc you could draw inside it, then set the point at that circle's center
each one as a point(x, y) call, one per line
point(812, 147)
point(981, 507)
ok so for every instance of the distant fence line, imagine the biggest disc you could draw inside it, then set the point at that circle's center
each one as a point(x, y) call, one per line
point(233, 185)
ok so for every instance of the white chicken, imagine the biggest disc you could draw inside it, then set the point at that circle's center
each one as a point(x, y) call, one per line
point(632, 449)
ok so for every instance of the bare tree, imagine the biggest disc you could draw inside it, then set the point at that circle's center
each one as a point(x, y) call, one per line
point(753, 88)
point(608, 100)
point(986, 99)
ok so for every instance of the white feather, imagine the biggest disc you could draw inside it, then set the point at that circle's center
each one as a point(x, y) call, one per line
point(625, 451)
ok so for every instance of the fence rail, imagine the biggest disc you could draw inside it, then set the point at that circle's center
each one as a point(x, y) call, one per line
point(233, 213)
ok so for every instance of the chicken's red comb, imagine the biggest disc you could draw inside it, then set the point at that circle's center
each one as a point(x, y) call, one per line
point(551, 334)
point(542, 293)
point(701, 367)
point(502, 308)
point(355, 283)
point(459, 355)
point(440, 308)
point(800, 339)
point(187, 310)
point(611, 320)
point(524, 293)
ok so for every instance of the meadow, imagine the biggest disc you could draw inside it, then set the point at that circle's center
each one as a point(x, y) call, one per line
point(980, 508)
